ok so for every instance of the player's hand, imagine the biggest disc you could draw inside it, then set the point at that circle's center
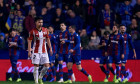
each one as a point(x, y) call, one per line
point(62, 42)
point(51, 52)
point(103, 44)
point(29, 54)
point(71, 50)
point(126, 12)
point(122, 56)
point(106, 54)
point(134, 56)
point(56, 55)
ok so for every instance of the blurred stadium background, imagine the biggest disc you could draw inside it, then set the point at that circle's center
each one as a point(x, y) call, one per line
point(91, 17)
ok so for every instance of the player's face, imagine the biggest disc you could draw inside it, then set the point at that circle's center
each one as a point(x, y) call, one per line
point(13, 33)
point(62, 26)
point(106, 36)
point(123, 29)
point(115, 29)
point(70, 29)
point(39, 23)
point(50, 29)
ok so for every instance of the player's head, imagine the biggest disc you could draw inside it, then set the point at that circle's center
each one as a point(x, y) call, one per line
point(51, 29)
point(72, 28)
point(39, 22)
point(106, 34)
point(63, 26)
point(122, 28)
point(13, 32)
point(115, 29)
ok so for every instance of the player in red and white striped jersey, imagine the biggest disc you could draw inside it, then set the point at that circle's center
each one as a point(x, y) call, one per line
point(39, 53)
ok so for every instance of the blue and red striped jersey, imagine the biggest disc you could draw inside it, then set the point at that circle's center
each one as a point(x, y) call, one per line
point(63, 48)
point(115, 44)
point(75, 44)
point(127, 42)
point(53, 42)
point(103, 40)
point(15, 50)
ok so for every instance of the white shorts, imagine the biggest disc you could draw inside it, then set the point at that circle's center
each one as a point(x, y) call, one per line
point(40, 58)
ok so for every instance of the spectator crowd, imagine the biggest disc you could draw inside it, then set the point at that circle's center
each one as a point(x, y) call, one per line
point(91, 17)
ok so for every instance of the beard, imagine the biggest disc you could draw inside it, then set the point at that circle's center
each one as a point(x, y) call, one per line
point(115, 31)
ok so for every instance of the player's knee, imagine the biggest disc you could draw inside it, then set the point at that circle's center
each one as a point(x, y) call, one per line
point(101, 65)
point(60, 62)
point(47, 65)
point(36, 65)
point(79, 67)
point(123, 64)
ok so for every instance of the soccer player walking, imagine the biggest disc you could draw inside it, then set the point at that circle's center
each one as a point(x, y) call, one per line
point(75, 54)
point(116, 48)
point(39, 53)
point(14, 44)
point(127, 42)
point(62, 50)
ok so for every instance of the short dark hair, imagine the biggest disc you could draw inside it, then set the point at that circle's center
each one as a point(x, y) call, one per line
point(63, 23)
point(122, 25)
point(106, 33)
point(12, 29)
point(116, 25)
point(73, 27)
point(38, 18)
point(51, 26)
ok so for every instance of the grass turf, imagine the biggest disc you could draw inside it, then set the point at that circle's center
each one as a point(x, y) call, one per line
point(32, 82)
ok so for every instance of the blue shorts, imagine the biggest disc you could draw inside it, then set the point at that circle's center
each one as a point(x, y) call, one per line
point(63, 57)
point(103, 59)
point(75, 59)
point(125, 59)
point(115, 58)
point(52, 58)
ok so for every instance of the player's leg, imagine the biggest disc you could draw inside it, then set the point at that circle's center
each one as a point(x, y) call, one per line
point(77, 59)
point(35, 60)
point(13, 68)
point(117, 62)
point(17, 72)
point(102, 62)
point(44, 59)
point(67, 59)
point(53, 67)
point(123, 70)
point(70, 72)
point(60, 61)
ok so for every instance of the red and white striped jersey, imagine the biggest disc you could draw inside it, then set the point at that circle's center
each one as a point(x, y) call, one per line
point(39, 38)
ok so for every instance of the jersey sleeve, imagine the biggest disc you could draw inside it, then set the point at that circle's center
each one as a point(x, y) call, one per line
point(130, 42)
point(31, 35)
point(77, 42)
point(122, 44)
point(20, 42)
point(47, 34)
point(109, 41)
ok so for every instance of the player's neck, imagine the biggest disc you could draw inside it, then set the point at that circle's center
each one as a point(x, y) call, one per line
point(72, 32)
point(122, 32)
point(116, 33)
point(39, 28)
point(63, 30)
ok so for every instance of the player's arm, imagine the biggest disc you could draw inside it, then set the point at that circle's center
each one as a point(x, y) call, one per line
point(20, 43)
point(107, 45)
point(122, 46)
point(58, 44)
point(29, 43)
point(132, 46)
point(49, 43)
point(77, 43)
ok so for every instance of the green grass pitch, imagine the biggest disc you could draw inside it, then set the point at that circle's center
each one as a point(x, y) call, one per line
point(31, 82)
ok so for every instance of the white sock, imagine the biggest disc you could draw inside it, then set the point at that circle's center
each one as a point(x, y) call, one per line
point(43, 72)
point(35, 73)
point(73, 77)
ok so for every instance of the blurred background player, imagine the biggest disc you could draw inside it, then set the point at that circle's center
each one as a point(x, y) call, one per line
point(104, 59)
point(116, 42)
point(63, 50)
point(14, 44)
point(39, 53)
point(52, 70)
point(75, 54)
point(127, 42)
